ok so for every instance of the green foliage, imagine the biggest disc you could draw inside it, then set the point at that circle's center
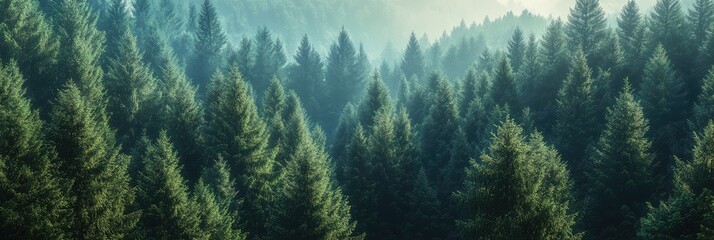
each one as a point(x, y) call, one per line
point(208, 47)
point(703, 110)
point(115, 24)
point(503, 89)
point(631, 32)
point(439, 128)
point(517, 49)
point(269, 59)
point(183, 119)
point(520, 189)
point(33, 197)
point(575, 115)
point(216, 222)
point(163, 196)
point(235, 131)
point(587, 28)
point(413, 60)
point(308, 203)
point(131, 90)
point(376, 100)
point(89, 156)
point(668, 27)
point(307, 78)
point(29, 40)
point(700, 19)
point(344, 77)
point(620, 172)
point(555, 60)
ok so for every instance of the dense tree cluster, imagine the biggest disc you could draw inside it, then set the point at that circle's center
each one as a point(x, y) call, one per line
point(141, 120)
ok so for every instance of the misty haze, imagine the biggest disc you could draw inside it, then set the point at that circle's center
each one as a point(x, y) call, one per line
point(357, 119)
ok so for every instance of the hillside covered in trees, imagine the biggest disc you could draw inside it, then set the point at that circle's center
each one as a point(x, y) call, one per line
point(162, 119)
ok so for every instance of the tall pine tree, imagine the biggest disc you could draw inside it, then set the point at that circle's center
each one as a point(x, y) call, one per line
point(208, 48)
point(413, 60)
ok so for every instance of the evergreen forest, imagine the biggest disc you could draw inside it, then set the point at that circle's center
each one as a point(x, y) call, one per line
point(277, 120)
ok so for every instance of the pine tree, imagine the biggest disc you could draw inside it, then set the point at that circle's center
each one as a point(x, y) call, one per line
point(309, 205)
point(274, 107)
point(266, 65)
point(217, 178)
point(116, 24)
point(470, 91)
point(80, 53)
point(668, 27)
point(529, 75)
point(516, 49)
point(439, 128)
point(664, 102)
point(575, 115)
point(701, 18)
point(503, 89)
point(343, 77)
point(131, 91)
point(587, 28)
point(683, 215)
point(555, 69)
point(375, 101)
point(183, 119)
point(244, 57)
point(215, 221)
point(703, 110)
point(33, 196)
point(29, 40)
point(208, 48)
point(235, 131)
point(619, 176)
point(358, 185)
point(631, 32)
point(307, 78)
point(89, 155)
point(425, 217)
point(162, 194)
point(519, 190)
point(413, 60)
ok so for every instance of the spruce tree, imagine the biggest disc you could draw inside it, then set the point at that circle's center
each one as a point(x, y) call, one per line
point(700, 19)
point(413, 60)
point(631, 32)
point(575, 115)
point(309, 205)
point(519, 190)
point(162, 194)
point(88, 155)
point(343, 136)
point(517, 49)
point(29, 40)
point(703, 110)
point(664, 101)
point(668, 28)
point(115, 25)
point(375, 101)
point(80, 53)
point(235, 131)
point(33, 197)
point(343, 77)
point(183, 119)
point(555, 61)
point(529, 75)
point(684, 215)
point(587, 28)
point(216, 222)
point(503, 89)
point(307, 78)
point(131, 91)
point(619, 172)
point(358, 184)
point(274, 107)
point(208, 48)
point(269, 59)
point(439, 128)
point(217, 178)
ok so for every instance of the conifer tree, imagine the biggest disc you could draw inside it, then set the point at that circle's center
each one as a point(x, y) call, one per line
point(307, 78)
point(701, 18)
point(664, 101)
point(208, 48)
point(703, 110)
point(80, 53)
point(517, 49)
point(274, 107)
point(309, 205)
point(619, 176)
point(269, 59)
point(167, 212)
point(115, 25)
point(234, 130)
point(29, 40)
point(684, 215)
point(575, 115)
point(343, 136)
point(439, 128)
point(413, 60)
point(216, 222)
point(529, 75)
point(470, 90)
point(425, 217)
point(631, 32)
point(244, 57)
point(183, 119)
point(358, 185)
point(503, 89)
point(217, 178)
point(88, 155)
point(520, 189)
point(131, 91)
point(343, 77)
point(587, 28)
point(33, 197)
point(555, 62)
point(668, 27)
point(375, 101)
